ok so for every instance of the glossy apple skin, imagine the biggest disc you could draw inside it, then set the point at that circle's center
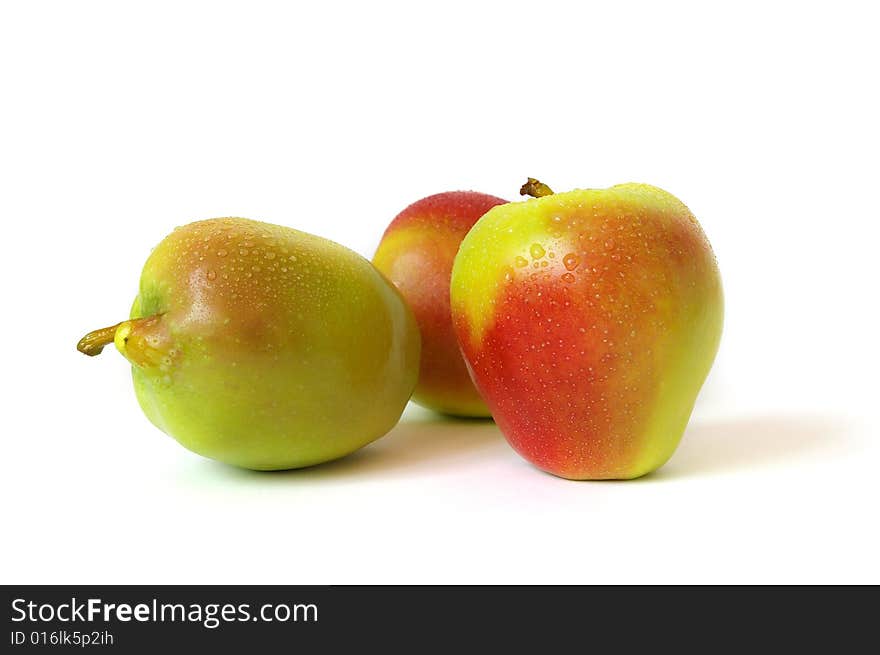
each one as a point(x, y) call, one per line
point(271, 348)
point(590, 320)
point(416, 254)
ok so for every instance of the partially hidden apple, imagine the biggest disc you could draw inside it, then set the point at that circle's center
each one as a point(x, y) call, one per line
point(590, 320)
point(416, 254)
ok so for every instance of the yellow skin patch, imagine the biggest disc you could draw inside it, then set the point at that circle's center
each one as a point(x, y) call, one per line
point(591, 319)
point(270, 348)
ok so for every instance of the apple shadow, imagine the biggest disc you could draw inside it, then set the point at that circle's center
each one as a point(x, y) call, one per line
point(441, 443)
point(435, 440)
point(738, 444)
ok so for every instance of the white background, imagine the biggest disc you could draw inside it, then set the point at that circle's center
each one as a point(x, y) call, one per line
point(119, 121)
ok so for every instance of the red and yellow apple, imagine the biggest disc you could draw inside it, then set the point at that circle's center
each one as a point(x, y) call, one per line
point(416, 254)
point(590, 320)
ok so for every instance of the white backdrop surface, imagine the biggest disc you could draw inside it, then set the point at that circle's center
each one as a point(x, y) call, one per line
point(120, 121)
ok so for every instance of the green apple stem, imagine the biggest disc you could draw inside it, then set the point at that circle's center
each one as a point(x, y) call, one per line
point(535, 188)
point(93, 343)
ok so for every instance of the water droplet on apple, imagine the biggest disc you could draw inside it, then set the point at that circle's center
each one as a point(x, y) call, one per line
point(568, 277)
point(222, 253)
point(211, 275)
point(520, 261)
point(537, 251)
point(609, 244)
point(570, 261)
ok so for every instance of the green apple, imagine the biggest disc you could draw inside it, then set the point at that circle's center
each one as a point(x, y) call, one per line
point(265, 347)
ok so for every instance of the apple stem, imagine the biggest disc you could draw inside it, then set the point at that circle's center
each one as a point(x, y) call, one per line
point(535, 188)
point(93, 343)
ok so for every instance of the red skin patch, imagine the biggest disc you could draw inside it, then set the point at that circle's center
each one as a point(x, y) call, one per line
point(453, 212)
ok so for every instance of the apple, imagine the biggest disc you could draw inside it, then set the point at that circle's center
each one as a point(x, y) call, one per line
point(265, 347)
point(590, 320)
point(416, 254)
